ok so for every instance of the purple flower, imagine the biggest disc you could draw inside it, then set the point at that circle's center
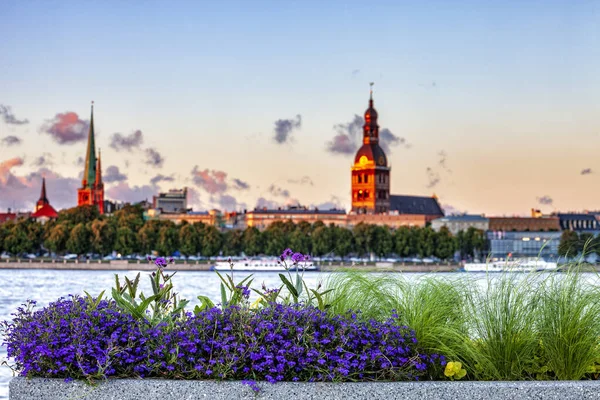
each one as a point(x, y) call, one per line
point(286, 253)
point(297, 257)
point(160, 262)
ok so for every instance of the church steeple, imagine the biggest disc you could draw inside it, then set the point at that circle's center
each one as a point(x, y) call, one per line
point(370, 128)
point(89, 174)
point(98, 181)
point(43, 198)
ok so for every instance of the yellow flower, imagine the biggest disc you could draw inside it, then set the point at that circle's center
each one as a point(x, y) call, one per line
point(454, 369)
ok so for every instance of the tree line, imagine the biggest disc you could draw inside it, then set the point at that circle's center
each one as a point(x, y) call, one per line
point(573, 244)
point(81, 230)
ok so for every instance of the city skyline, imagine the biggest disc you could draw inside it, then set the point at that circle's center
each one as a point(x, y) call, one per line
point(493, 109)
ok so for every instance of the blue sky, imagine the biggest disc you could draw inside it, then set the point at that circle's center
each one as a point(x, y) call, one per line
point(496, 108)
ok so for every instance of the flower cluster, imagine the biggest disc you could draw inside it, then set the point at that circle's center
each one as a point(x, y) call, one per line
point(295, 257)
point(160, 262)
point(73, 339)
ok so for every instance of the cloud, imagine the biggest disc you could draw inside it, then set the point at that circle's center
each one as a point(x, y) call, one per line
point(161, 178)
point(45, 160)
point(274, 204)
point(9, 118)
point(305, 180)
point(240, 184)
point(10, 141)
point(66, 128)
point(212, 181)
point(227, 202)
point(279, 192)
point(355, 72)
point(80, 161)
point(586, 171)
point(285, 127)
point(545, 200)
point(112, 174)
point(451, 210)
point(433, 178)
point(334, 203)
point(21, 192)
point(349, 135)
point(131, 194)
point(128, 143)
point(153, 158)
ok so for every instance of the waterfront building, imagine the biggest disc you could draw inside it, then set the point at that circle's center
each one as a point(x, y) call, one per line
point(43, 209)
point(13, 216)
point(523, 224)
point(212, 217)
point(174, 201)
point(457, 223)
point(263, 217)
point(579, 222)
point(505, 245)
point(92, 187)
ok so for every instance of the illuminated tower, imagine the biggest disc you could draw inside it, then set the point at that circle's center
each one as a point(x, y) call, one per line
point(92, 187)
point(370, 172)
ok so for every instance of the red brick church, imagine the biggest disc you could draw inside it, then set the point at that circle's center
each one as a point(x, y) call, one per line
point(92, 187)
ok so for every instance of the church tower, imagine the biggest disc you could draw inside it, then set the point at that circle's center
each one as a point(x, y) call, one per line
point(370, 172)
point(92, 187)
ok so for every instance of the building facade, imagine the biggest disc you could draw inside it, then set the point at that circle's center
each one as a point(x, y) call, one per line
point(370, 172)
point(92, 187)
point(457, 223)
point(262, 218)
point(174, 201)
point(510, 245)
point(523, 224)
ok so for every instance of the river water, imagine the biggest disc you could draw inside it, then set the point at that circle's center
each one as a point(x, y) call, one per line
point(45, 286)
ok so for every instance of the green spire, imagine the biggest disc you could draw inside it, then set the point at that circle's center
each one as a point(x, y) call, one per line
point(89, 175)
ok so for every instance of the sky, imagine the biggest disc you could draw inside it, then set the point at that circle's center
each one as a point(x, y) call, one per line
point(492, 106)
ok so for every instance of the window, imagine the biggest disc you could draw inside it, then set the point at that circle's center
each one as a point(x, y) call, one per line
point(359, 178)
point(366, 194)
point(366, 178)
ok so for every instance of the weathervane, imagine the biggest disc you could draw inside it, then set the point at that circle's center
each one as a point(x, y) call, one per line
point(371, 85)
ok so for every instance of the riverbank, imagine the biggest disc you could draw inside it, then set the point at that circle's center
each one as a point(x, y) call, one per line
point(149, 389)
point(125, 265)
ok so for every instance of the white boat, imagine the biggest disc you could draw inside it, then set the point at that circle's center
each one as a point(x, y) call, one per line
point(262, 265)
point(518, 265)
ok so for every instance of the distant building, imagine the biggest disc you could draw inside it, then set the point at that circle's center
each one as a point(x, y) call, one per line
point(372, 202)
point(174, 201)
point(43, 210)
point(579, 222)
point(13, 216)
point(522, 224)
point(510, 245)
point(112, 206)
point(92, 187)
point(212, 217)
point(457, 223)
point(262, 218)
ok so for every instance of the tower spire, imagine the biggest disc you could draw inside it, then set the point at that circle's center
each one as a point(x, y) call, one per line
point(370, 128)
point(98, 181)
point(43, 196)
point(89, 174)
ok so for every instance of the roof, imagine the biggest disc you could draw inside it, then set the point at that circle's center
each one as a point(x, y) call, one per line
point(373, 152)
point(7, 217)
point(576, 217)
point(418, 205)
point(464, 218)
point(298, 211)
point(45, 211)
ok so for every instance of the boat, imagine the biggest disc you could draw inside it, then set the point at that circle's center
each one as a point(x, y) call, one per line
point(517, 265)
point(262, 265)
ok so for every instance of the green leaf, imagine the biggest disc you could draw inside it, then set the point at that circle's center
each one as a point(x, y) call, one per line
point(319, 298)
point(224, 281)
point(289, 286)
point(206, 303)
point(223, 296)
point(298, 283)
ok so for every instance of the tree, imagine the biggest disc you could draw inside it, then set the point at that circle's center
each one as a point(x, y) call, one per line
point(568, 245)
point(79, 241)
point(300, 240)
point(322, 241)
point(252, 241)
point(476, 238)
point(232, 242)
point(16, 241)
point(56, 238)
point(4, 228)
point(444, 244)
point(362, 238)
point(35, 234)
point(148, 236)
point(189, 240)
point(79, 215)
point(168, 239)
point(211, 241)
point(275, 238)
point(402, 241)
point(426, 242)
point(131, 216)
point(103, 235)
point(383, 243)
point(126, 242)
point(585, 244)
point(344, 242)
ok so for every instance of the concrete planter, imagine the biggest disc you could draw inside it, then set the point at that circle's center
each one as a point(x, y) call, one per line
point(155, 389)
